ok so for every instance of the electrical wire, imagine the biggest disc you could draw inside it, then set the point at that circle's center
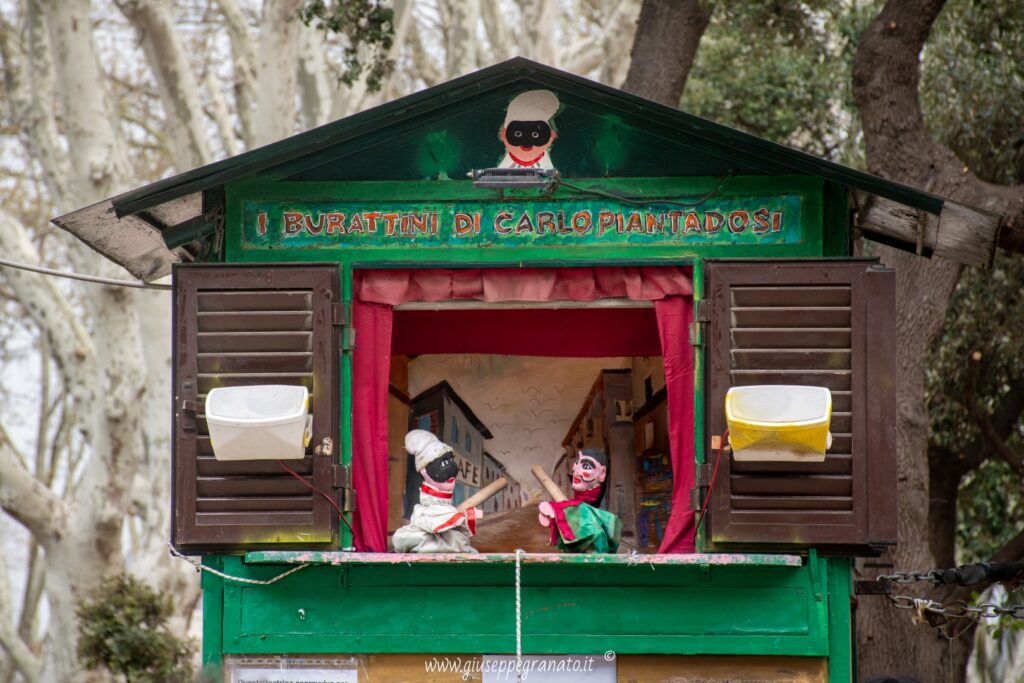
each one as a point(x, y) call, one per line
point(316, 490)
point(648, 202)
point(83, 278)
point(711, 484)
point(237, 579)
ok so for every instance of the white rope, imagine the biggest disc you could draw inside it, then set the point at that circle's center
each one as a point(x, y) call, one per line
point(203, 568)
point(519, 615)
point(78, 276)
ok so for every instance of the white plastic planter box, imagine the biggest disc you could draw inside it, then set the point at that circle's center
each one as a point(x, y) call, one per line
point(265, 422)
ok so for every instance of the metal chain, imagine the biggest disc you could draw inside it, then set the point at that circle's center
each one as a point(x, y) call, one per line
point(932, 576)
point(958, 609)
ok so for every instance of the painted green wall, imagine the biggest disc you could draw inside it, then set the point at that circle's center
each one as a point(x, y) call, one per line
point(574, 608)
point(567, 609)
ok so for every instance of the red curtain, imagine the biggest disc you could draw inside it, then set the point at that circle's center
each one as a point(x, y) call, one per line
point(399, 286)
point(588, 332)
point(674, 315)
point(371, 365)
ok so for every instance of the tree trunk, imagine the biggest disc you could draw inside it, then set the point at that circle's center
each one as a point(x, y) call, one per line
point(667, 36)
point(886, 78)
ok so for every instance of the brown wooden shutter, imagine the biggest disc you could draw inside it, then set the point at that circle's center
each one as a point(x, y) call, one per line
point(244, 325)
point(822, 323)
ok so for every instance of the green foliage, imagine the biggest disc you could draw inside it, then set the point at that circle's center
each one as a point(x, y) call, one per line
point(367, 30)
point(972, 86)
point(972, 94)
point(123, 629)
point(781, 70)
point(986, 317)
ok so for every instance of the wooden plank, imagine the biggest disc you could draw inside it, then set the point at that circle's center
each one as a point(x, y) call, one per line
point(784, 338)
point(834, 463)
point(254, 503)
point(255, 300)
point(213, 342)
point(209, 381)
point(967, 235)
point(248, 321)
point(770, 316)
point(813, 359)
point(772, 296)
point(209, 466)
point(261, 362)
point(268, 485)
point(830, 379)
point(791, 502)
point(250, 528)
point(792, 485)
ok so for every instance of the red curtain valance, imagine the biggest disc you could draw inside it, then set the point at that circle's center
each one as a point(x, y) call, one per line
point(494, 285)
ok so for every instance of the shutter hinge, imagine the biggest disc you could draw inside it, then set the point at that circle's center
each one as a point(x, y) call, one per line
point(696, 498)
point(701, 316)
point(189, 412)
point(339, 318)
point(702, 311)
point(703, 475)
point(341, 480)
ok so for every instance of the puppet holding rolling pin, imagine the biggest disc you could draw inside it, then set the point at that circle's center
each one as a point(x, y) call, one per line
point(437, 526)
point(579, 525)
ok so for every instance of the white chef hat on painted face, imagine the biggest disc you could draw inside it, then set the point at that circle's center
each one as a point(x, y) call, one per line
point(532, 105)
point(424, 447)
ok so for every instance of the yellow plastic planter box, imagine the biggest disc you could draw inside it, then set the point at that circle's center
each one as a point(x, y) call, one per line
point(779, 422)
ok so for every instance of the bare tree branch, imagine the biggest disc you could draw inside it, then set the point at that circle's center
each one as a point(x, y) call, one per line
point(243, 48)
point(25, 498)
point(179, 91)
point(993, 440)
point(21, 655)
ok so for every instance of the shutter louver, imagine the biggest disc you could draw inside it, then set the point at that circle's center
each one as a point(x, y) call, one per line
point(248, 325)
point(827, 324)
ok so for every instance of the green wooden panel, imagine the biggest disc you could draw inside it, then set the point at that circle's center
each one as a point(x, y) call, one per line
point(566, 609)
point(451, 222)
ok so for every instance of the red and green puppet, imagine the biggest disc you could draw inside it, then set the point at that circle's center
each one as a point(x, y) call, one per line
point(579, 525)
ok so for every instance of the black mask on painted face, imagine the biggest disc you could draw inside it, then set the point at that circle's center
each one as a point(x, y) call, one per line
point(442, 469)
point(527, 133)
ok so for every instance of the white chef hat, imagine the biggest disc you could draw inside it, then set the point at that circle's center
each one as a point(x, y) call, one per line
point(532, 105)
point(424, 447)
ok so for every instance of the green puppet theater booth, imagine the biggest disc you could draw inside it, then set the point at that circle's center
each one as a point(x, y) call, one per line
point(699, 257)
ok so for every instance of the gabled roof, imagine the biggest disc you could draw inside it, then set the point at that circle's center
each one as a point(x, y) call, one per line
point(444, 131)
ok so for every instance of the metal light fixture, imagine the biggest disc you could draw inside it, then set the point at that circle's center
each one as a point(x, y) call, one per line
point(514, 178)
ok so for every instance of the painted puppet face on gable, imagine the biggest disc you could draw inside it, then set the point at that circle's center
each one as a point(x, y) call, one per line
point(527, 132)
point(587, 473)
point(527, 141)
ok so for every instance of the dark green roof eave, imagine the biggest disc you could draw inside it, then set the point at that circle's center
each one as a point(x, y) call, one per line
point(262, 159)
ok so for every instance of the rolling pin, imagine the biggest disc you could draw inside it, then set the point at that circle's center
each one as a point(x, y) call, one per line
point(549, 486)
point(483, 494)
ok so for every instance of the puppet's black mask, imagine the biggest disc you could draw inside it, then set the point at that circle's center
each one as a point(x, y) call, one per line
point(527, 133)
point(442, 469)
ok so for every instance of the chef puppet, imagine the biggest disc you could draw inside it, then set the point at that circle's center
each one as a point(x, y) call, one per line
point(579, 525)
point(527, 133)
point(436, 526)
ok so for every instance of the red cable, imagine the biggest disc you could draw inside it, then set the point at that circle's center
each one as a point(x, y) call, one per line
point(313, 488)
point(711, 485)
